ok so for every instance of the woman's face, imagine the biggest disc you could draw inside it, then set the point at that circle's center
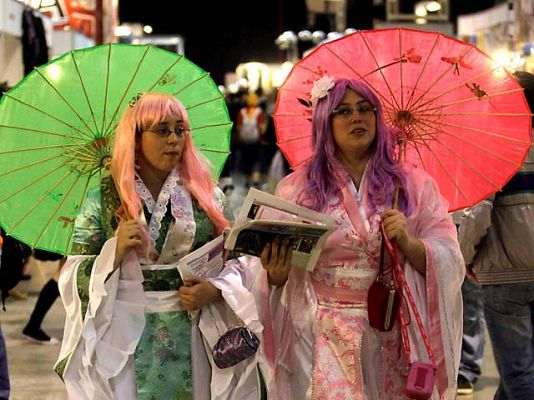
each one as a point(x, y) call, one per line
point(354, 125)
point(160, 147)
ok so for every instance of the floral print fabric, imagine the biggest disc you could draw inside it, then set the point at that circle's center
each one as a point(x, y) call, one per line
point(163, 358)
point(163, 355)
point(342, 326)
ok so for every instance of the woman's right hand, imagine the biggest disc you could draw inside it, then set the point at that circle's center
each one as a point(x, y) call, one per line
point(128, 236)
point(276, 259)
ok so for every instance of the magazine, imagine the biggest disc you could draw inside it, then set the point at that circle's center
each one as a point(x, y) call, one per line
point(205, 262)
point(264, 217)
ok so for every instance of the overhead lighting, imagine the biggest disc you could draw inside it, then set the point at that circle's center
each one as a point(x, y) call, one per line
point(233, 88)
point(420, 9)
point(123, 31)
point(317, 36)
point(305, 35)
point(433, 6)
point(147, 29)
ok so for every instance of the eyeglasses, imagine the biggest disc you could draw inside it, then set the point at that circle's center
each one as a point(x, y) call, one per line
point(165, 131)
point(345, 111)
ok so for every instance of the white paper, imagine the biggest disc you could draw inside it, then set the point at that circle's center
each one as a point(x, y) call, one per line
point(264, 217)
point(205, 262)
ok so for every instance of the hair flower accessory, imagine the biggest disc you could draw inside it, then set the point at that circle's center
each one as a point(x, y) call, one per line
point(321, 87)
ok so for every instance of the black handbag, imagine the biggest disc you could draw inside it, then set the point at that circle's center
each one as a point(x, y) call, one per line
point(234, 346)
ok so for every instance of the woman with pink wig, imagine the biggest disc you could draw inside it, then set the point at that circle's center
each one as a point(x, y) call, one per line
point(324, 345)
point(134, 333)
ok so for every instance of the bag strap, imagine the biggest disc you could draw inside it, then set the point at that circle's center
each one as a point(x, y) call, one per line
point(240, 323)
point(403, 285)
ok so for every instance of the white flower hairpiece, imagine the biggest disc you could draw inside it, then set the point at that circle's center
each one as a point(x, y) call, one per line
point(321, 87)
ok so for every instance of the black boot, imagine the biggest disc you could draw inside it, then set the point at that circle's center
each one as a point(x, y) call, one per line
point(46, 299)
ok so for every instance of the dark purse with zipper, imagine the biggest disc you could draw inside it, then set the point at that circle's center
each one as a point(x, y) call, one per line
point(234, 346)
point(383, 298)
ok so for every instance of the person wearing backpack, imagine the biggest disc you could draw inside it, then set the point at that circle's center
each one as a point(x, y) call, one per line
point(496, 238)
point(250, 126)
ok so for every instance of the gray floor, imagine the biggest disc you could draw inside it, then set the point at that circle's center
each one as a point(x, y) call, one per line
point(30, 364)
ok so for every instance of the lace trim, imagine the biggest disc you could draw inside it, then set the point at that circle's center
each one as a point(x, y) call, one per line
point(159, 208)
point(182, 210)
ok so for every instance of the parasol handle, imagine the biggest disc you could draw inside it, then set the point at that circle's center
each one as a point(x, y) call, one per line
point(400, 159)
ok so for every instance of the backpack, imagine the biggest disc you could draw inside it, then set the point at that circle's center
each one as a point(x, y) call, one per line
point(249, 131)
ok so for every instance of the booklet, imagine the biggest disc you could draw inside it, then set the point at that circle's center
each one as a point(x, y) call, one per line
point(205, 262)
point(264, 217)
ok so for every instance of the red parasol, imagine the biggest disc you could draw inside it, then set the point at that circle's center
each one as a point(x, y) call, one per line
point(462, 117)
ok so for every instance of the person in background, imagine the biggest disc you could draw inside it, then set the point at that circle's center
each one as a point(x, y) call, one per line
point(14, 257)
point(234, 103)
point(474, 336)
point(474, 330)
point(496, 238)
point(46, 299)
point(4, 372)
point(250, 127)
point(325, 347)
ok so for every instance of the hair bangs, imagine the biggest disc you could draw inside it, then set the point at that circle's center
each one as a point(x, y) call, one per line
point(153, 109)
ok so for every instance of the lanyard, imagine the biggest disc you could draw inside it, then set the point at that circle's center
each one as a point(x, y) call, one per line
point(403, 285)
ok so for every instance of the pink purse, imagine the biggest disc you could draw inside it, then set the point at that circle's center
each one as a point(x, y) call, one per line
point(421, 381)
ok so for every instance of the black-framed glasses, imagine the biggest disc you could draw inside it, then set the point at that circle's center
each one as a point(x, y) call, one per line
point(346, 111)
point(165, 131)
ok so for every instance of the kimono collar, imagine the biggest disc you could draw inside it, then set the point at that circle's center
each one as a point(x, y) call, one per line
point(181, 205)
point(354, 199)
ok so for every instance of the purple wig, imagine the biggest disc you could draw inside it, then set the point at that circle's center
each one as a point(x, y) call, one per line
point(382, 169)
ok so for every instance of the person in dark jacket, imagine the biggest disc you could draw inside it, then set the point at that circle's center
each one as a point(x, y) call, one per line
point(496, 238)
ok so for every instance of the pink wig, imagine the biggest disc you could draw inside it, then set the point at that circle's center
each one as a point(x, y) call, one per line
point(150, 110)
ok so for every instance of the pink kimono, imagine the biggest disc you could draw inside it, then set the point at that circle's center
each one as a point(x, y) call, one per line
point(325, 348)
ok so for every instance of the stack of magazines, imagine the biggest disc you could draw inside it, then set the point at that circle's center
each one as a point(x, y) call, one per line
point(263, 218)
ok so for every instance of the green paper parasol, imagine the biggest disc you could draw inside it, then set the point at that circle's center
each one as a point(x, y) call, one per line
point(57, 127)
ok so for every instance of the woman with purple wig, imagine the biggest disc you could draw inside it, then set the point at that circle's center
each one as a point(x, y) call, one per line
point(324, 346)
point(133, 329)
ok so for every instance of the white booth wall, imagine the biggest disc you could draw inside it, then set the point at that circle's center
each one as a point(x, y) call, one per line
point(58, 41)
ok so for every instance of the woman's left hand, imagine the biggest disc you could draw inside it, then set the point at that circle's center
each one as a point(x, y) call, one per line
point(396, 227)
point(197, 292)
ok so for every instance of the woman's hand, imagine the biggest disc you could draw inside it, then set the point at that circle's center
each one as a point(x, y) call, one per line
point(197, 292)
point(276, 259)
point(396, 229)
point(128, 236)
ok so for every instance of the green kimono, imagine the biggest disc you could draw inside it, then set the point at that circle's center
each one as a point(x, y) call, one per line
point(176, 225)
